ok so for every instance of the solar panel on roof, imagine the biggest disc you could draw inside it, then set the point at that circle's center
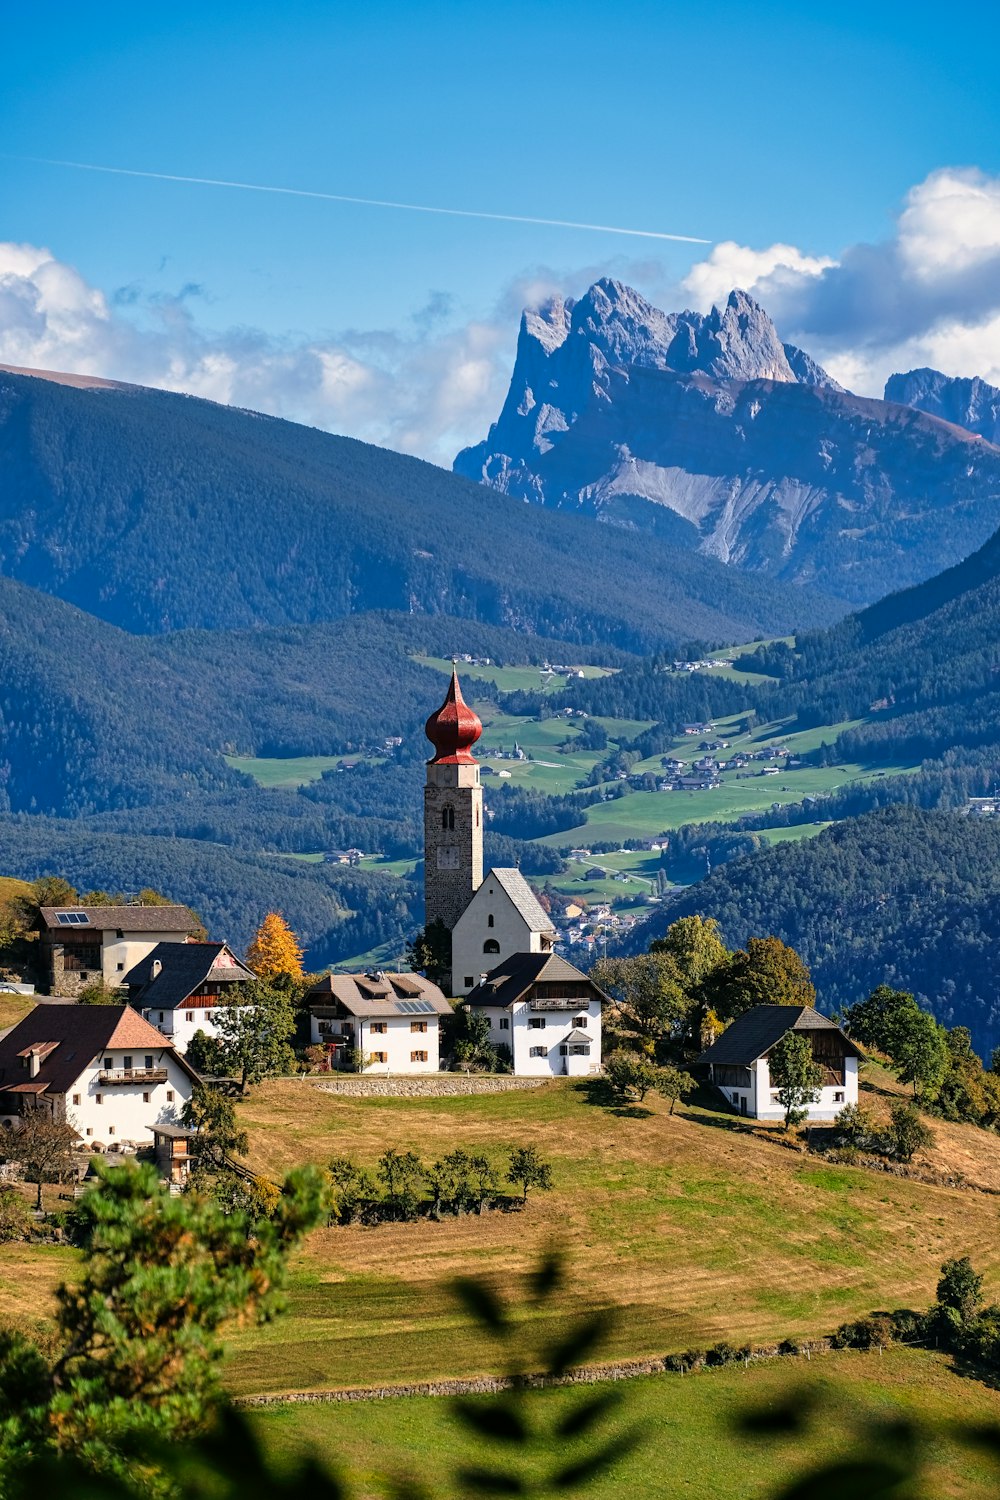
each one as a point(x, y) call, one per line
point(73, 918)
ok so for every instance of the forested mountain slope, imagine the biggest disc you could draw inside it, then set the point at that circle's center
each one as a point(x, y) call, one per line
point(156, 512)
point(900, 897)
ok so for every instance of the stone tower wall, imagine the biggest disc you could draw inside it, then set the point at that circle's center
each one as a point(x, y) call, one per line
point(453, 856)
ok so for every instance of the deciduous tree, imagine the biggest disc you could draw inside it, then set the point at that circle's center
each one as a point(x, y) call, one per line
point(529, 1170)
point(650, 1000)
point(274, 951)
point(673, 1083)
point(797, 1076)
point(429, 952)
point(766, 972)
point(41, 1146)
point(630, 1074)
point(254, 1027)
point(920, 1053)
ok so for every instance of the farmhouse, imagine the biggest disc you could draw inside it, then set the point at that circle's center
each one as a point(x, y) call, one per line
point(100, 1068)
point(178, 987)
point(82, 944)
point(546, 1011)
point(393, 1019)
point(738, 1061)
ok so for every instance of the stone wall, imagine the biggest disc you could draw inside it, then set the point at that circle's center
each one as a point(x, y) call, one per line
point(359, 1086)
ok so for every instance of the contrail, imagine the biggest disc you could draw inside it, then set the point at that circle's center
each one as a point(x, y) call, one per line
point(416, 208)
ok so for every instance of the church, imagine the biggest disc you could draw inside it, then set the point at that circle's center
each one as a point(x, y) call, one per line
point(502, 940)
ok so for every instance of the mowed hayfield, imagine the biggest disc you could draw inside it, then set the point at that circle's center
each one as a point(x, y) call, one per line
point(691, 1439)
point(693, 1228)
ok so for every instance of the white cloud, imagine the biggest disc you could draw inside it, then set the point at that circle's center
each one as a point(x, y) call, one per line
point(928, 295)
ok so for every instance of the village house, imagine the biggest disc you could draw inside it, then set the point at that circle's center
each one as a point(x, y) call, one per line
point(179, 987)
point(80, 945)
point(100, 1068)
point(546, 1011)
point(392, 1019)
point(737, 1061)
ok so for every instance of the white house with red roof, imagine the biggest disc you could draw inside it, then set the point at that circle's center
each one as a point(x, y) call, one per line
point(100, 1068)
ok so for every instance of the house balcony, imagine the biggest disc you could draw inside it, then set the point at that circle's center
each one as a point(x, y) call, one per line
point(131, 1075)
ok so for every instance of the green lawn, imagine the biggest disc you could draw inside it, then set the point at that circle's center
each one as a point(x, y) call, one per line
point(691, 1444)
point(294, 771)
point(513, 679)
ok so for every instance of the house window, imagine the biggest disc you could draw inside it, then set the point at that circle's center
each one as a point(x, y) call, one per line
point(127, 1064)
point(504, 1023)
point(170, 1096)
point(120, 967)
point(189, 1015)
point(448, 819)
point(147, 1061)
point(580, 1021)
point(90, 1130)
point(379, 1028)
point(538, 1051)
point(418, 1057)
point(418, 1025)
point(838, 1098)
point(491, 946)
point(119, 933)
point(76, 1098)
point(98, 1098)
point(145, 1098)
point(109, 1063)
point(489, 920)
point(536, 1023)
point(380, 1057)
point(111, 1130)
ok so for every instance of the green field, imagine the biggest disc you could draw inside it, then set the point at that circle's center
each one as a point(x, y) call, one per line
point(294, 771)
point(691, 1442)
point(513, 679)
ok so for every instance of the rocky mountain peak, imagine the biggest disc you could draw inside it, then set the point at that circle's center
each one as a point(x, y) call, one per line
point(966, 402)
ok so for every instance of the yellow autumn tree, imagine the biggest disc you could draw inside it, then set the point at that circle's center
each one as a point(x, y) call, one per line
point(275, 950)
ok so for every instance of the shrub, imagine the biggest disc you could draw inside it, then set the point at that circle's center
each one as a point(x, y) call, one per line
point(725, 1354)
point(873, 1332)
point(683, 1364)
point(789, 1346)
point(908, 1327)
point(15, 1216)
point(906, 1133)
point(856, 1127)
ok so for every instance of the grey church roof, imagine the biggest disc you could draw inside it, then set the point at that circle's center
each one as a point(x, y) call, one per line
point(523, 897)
point(755, 1032)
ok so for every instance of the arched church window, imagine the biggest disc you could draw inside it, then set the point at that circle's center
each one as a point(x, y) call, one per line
point(448, 818)
point(489, 920)
point(491, 946)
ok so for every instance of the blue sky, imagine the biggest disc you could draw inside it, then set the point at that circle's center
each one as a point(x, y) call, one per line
point(804, 125)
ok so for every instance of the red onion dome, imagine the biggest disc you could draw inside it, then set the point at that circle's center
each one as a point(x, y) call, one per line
point(454, 729)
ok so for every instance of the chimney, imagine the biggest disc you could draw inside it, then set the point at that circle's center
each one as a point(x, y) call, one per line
point(34, 1062)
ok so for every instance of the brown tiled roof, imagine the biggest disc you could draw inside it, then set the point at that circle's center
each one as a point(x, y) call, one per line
point(380, 995)
point(122, 919)
point(73, 1035)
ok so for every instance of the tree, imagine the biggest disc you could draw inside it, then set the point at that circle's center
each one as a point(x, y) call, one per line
point(15, 1216)
point(217, 1137)
point(50, 890)
point(875, 1022)
point(766, 972)
point(429, 952)
point(254, 1027)
point(920, 1053)
point(695, 944)
point(402, 1173)
point(41, 1146)
point(797, 1076)
point(484, 1175)
point(274, 950)
point(136, 1350)
point(673, 1083)
point(465, 1038)
point(960, 1288)
point(629, 1073)
point(907, 1132)
point(98, 992)
point(527, 1168)
point(649, 995)
point(206, 1054)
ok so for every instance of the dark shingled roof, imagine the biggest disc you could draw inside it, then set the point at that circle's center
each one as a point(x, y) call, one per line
point(184, 967)
point(122, 919)
point(755, 1032)
point(68, 1038)
point(515, 975)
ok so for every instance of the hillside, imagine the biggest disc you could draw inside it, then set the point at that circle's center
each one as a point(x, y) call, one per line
point(159, 512)
point(900, 896)
point(708, 431)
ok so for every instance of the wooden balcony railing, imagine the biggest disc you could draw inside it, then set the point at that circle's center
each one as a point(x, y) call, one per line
point(132, 1075)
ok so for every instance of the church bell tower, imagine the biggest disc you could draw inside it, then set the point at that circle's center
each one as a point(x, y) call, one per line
point(453, 811)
